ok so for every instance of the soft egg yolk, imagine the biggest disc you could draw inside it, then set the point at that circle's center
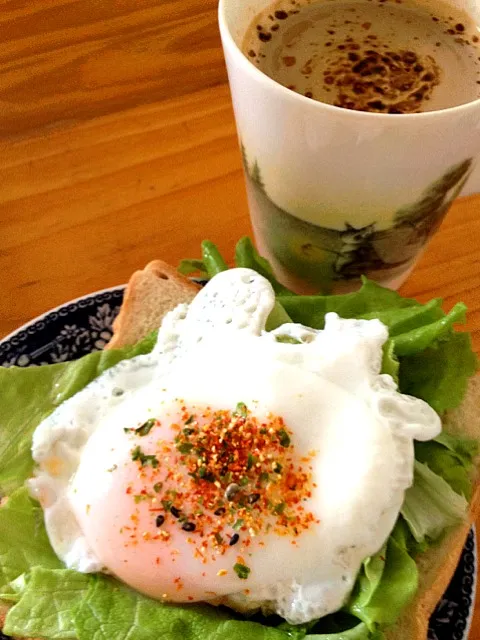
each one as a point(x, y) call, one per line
point(191, 496)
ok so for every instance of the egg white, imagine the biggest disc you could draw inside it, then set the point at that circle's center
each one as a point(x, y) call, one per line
point(328, 389)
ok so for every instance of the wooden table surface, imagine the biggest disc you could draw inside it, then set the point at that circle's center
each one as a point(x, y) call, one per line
point(117, 145)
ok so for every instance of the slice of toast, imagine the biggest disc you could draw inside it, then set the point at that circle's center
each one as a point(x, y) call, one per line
point(157, 289)
point(149, 295)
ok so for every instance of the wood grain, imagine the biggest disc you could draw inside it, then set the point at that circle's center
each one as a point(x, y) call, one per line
point(69, 60)
point(118, 145)
point(83, 207)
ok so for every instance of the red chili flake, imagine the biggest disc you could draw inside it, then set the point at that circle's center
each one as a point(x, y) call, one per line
point(178, 583)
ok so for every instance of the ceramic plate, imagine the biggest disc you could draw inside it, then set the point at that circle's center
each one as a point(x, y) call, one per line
point(85, 325)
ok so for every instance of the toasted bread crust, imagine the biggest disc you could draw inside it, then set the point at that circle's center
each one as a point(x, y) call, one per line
point(438, 564)
point(149, 295)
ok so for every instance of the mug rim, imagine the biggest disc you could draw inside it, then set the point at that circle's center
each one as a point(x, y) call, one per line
point(229, 42)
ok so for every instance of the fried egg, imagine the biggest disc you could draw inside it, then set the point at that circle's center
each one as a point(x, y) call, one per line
point(233, 465)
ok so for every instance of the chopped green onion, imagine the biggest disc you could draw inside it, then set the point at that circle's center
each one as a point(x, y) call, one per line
point(138, 455)
point(284, 438)
point(185, 447)
point(146, 427)
point(241, 410)
point(241, 570)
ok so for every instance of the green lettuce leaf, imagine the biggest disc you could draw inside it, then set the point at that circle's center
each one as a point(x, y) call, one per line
point(451, 458)
point(188, 267)
point(359, 632)
point(371, 301)
point(111, 611)
point(80, 372)
point(387, 583)
point(464, 449)
point(431, 505)
point(212, 260)
point(412, 326)
point(367, 584)
point(390, 363)
point(402, 320)
point(23, 540)
point(439, 375)
point(336, 626)
point(20, 413)
point(422, 337)
point(277, 317)
point(48, 603)
point(30, 394)
point(12, 592)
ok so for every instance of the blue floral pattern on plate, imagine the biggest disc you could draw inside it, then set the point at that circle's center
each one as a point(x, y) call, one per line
point(85, 325)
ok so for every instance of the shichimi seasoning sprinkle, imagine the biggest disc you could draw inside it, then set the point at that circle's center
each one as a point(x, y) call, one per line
point(225, 478)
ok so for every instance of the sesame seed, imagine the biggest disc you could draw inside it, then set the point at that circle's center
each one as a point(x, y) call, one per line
point(231, 491)
point(234, 539)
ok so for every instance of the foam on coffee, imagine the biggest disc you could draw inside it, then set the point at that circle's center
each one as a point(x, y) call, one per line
point(385, 56)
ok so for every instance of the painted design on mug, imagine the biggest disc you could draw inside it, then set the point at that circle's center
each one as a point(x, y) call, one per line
point(323, 255)
point(357, 251)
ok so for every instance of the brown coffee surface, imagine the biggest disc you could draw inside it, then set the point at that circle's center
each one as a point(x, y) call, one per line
point(385, 56)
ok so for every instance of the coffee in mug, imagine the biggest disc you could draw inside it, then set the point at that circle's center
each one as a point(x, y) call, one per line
point(387, 56)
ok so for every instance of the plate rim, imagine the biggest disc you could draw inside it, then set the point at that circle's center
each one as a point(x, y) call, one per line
point(471, 613)
point(122, 287)
point(43, 315)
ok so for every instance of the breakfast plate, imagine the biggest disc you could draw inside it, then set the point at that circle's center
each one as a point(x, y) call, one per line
point(81, 326)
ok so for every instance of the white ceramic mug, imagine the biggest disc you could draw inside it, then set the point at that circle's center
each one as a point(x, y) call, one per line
point(335, 193)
